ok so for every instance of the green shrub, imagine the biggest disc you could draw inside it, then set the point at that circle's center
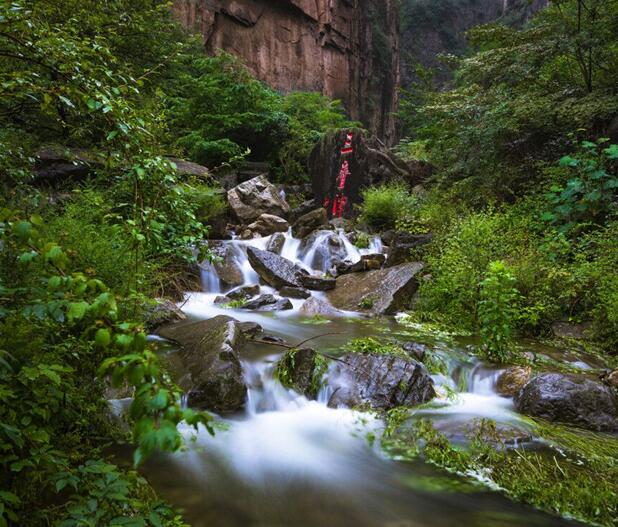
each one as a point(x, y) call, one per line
point(496, 311)
point(384, 205)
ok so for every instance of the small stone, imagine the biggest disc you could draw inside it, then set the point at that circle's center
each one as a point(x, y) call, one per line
point(511, 381)
point(317, 283)
point(268, 303)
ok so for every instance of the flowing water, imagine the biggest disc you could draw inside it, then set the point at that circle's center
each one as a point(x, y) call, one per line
point(288, 461)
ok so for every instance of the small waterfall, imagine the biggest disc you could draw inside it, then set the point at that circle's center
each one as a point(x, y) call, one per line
point(210, 279)
point(482, 381)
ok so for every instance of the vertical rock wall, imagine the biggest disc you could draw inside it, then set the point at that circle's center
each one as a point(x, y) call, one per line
point(346, 49)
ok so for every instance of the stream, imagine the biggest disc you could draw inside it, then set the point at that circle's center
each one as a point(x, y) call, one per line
point(288, 461)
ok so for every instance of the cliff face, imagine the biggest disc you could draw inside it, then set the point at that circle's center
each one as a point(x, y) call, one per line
point(346, 49)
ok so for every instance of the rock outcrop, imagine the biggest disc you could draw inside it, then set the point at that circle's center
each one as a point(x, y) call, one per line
point(255, 197)
point(274, 269)
point(369, 165)
point(570, 399)
point(268, 224)
point(345, 49)
point(310, 222)
point(384, 291)
point(209, 369)
point(381, 382)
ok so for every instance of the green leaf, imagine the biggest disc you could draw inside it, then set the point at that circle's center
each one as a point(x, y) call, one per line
point(103, 338)
point(77, 311)
point(611, 152)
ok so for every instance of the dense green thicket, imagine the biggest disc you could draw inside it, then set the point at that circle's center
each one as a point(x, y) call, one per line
point(524, 173)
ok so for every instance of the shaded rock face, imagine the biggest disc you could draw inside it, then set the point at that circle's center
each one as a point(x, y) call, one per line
point(163, 311)
point(383, 291)
point(56, 164)
point(274, 269)
point(570, 399)
point(244, 293)
point(317, 283)
point(268, 224)
point(294, 292)
point(345, 49)
point(369, 165)
point(255, 197)
point(401, 245)
point(382, 382)
point(310, 222)
point(276, 243)
point(209, 368)
point(300, 368)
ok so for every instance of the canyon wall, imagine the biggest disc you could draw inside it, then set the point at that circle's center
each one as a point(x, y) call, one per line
point(358, 51)
point(345, 49)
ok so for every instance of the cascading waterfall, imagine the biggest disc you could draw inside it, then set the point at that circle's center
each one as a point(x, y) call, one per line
point(290, 461)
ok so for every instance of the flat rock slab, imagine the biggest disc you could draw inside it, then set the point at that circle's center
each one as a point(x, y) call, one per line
point(380, 292)
point(209, 369)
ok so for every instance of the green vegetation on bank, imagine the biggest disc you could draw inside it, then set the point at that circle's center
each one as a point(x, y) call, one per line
point(574, 475)
point(115, 87)
point(525, 173)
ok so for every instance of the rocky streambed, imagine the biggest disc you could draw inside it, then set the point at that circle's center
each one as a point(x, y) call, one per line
point(298, 345)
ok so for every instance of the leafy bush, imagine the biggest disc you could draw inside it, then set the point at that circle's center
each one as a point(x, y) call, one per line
point(590, 193)
point(383, 206)
point(496, 311)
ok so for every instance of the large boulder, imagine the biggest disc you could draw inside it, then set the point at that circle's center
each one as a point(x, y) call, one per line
point(268, 224)
point(381, 382)
point(274, 269)
point(369, 164)
point(209, 369)
point(309, 222)
point(255, 197)
point(384, 291)
point(570, 399)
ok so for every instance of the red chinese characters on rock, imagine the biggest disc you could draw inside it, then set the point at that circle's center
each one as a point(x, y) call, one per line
point(340, 200)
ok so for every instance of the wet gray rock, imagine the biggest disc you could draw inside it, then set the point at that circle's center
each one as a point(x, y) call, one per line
point(255, 197)
point(318, 283)
point(274, 269)
point(381, 382)
point(244, 293)
point(316, 307)
point(251, 329)
point(294, 292)
point(383, 291)
point(312, 221)
point(568, 330)
point(570, 399)
point(415, 350)
point(268, 224)
point(209, 369)
point(162, 311)
point(276, 243)
point(268, 303)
